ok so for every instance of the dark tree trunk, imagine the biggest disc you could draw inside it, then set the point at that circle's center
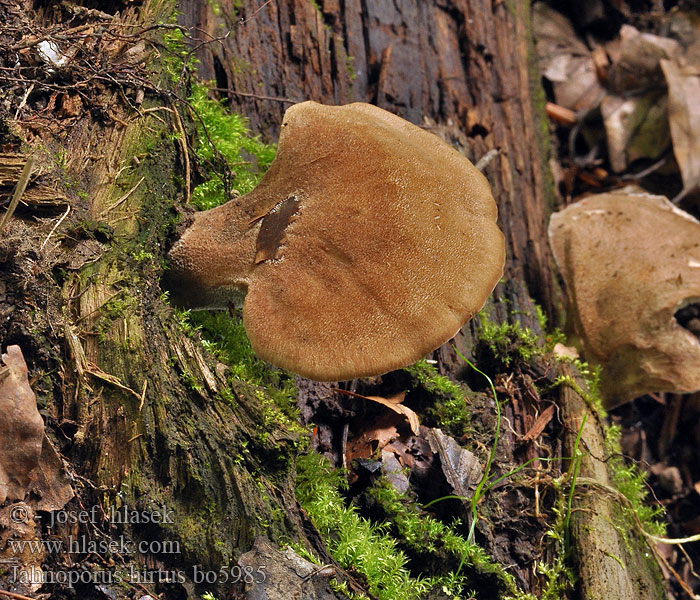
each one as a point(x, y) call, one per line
point(143, 414)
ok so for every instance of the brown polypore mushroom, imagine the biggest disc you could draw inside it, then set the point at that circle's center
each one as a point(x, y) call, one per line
point(631, 262)
point(367, 244)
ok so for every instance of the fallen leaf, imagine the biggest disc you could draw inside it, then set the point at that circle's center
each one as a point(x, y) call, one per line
point(49, 481)
point(565, 351)
point(373, 438)
point(683, 82)
point(566, 60)
point(393, 471)
point(636, 67)
point(21, 427)
point(393, 403)
point(461, 467)
point(635, 128)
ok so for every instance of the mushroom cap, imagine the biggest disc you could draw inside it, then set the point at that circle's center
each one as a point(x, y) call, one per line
point(374, 243)
point(630, 262)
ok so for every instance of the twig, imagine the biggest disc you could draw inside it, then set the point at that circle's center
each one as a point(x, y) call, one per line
point(185, 153)
point(484, 161)
point(19, 190)
point(95, 371)
point(55, 227)
point(562, 115)
point(123, 198)
point(24, 100)
point(15, 596)
point(244, 21)
point(256, 96)
point(143, 394)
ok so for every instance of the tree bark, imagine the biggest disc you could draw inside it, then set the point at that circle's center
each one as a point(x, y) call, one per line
point(142, 413)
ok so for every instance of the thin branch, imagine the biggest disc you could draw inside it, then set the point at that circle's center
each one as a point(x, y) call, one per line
point(255, 14)
point(55, 227)
point(256, 96)
point(15, 596)
point(123, 198)
point(19, 190)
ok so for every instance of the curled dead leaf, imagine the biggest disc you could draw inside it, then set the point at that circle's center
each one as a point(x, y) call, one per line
point(392, 403)
point(21, 428)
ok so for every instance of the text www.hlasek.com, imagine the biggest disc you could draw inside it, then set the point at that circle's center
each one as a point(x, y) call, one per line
point(82, 545)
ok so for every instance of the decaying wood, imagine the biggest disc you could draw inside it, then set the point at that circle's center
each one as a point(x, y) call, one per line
point(605, 537)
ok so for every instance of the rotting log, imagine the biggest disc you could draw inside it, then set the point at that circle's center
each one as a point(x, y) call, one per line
point(610, 552)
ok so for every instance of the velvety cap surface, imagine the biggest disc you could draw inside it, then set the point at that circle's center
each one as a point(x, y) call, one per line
point(630, 261)
point(381, 243)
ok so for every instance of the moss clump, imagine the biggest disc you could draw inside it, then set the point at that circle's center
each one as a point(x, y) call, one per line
point(437, 543)
point(506, 340)
point(372, 550)
point(352, 540)
point(225, 337)
point(223, 136)
point(449, 408)
point(229, 154)
point(631, 483)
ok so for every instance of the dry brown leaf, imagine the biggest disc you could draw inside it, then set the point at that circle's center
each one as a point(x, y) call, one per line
point(683, 82)
point(393, 403)
point(566, 60)
point(375, 437)
point(21, 427)
point(50, 481)
point(636, 65)
point(635, 127)
point(565, 351)
point(461, 467)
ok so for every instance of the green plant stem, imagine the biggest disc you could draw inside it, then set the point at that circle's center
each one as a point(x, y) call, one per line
point(479, 491)
point(576, 464)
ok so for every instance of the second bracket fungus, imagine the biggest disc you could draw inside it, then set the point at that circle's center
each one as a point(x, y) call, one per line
point(631, 263)
point(367, 244)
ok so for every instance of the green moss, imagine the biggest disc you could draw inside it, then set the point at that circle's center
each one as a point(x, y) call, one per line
point(373, 549)
point(557, 576)
point(352, 540)
point(232, 158)
point(506, 340)
point(449, 408)
point(191, 381)
point(116, 308)
point(630, 481)
point(437, 543)
point(350, 67)
point(225, 337)
point(224, 137)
